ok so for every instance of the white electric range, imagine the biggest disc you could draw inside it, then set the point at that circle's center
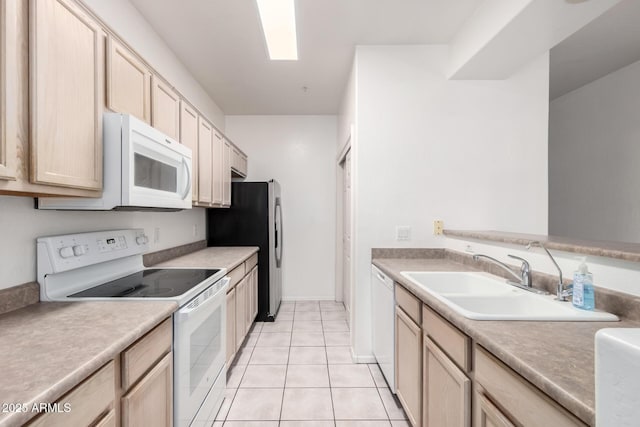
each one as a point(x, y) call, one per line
point(107, 265)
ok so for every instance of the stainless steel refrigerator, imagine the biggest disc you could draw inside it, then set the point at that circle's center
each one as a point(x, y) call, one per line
point(254, 219)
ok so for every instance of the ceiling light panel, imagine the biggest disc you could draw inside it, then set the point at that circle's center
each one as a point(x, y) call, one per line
point(279, 25)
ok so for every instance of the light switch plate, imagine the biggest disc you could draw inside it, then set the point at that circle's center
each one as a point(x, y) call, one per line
point(438, 226)
point(403, 233)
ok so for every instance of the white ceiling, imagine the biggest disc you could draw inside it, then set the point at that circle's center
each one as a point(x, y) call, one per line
point(222, 44)
point(608, 43)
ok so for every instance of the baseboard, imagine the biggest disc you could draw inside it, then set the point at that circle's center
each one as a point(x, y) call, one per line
point(293, 299)
point(362, 358)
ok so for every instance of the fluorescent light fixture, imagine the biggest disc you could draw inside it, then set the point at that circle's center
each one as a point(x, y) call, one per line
point(279, 25)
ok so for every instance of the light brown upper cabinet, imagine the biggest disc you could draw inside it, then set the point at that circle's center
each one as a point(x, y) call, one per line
point(205, 155)
point(67, 95)
point(238, 162)
point(217, 168)
point(165, 108)
point(226, 173)
point(8, 58)
point(128, 82)
point(189, 136)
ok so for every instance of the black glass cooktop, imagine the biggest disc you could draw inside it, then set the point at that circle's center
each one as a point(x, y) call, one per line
point(152, 283)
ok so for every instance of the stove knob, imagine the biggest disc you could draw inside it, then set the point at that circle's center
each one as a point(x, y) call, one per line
point(79, 250)
point(142, 240)
point(66, 252)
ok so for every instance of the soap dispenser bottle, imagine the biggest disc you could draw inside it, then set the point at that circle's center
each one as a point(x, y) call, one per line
point(583, 295)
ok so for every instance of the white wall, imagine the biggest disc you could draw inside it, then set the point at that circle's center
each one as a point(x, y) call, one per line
point(129, 24)
point(300, 153)
point(21, 224)
point(622, 276)
point(472, 153)
point(594, 147)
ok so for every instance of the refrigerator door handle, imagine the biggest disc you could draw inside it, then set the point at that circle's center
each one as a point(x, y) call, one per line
point(278, 233)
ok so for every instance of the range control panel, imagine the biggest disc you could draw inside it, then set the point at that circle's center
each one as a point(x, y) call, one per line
point(67, 252)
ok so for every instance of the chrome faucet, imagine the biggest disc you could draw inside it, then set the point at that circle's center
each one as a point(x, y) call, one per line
point(524, 279)
point(562, 294)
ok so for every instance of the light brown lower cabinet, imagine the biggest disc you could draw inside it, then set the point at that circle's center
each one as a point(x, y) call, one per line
point(242, 304)
point(524, 404)
point(231, 325)
point(408, 368)
point(447, 390)
point(109, 420)
point(241, 312)
point(254, 293)
point(150, 401)
point(445, 379)
point(134, 389)
point(488, 415)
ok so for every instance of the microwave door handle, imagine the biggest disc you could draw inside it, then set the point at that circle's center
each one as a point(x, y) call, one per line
point(187, 190)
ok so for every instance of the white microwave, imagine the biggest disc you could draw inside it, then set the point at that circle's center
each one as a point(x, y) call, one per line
point(143, 170)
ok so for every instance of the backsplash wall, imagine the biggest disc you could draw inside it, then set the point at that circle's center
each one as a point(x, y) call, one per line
point(21, 224)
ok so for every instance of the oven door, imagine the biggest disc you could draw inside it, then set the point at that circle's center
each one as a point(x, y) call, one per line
point(199, 350)
point(156, 170)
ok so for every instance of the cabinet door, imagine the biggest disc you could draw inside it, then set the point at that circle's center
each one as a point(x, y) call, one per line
point(205, 156)
point(128, 82)
point(165, 108)
point(189, 128)
point(231, 325)
point(150, 402)
point(226, 174)
point(409, 366)
point(488, 415)
point(8, 89)
point(241, 311)
point(251, 298)
point(217, 168)
point(67, 95)
point(254, 285)
point(447, 390)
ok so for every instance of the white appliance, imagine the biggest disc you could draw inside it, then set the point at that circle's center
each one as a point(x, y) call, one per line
point(143, 170)
point(383, 308)
point(107, 265)
point(617, 367)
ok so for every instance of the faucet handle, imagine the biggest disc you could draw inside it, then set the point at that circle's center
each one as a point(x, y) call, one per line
point(524, 262)
point(525, 269)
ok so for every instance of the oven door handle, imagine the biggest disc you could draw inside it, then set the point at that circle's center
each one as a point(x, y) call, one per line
point(189, 309)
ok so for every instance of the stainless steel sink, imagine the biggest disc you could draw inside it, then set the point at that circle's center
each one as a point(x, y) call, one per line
point(482, 296)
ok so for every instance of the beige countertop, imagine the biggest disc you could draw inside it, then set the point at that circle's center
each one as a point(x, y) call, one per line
point(557, 357)
point(48, 348)
point(212, 257)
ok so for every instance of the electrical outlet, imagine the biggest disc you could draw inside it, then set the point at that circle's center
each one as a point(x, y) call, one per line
point(403, 233)
point(156, 235)
point(438, 226)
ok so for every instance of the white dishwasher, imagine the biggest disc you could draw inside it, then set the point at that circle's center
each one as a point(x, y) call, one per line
point(383, 309)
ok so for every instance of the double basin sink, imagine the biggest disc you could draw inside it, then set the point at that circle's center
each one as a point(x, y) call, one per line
point(482, 296)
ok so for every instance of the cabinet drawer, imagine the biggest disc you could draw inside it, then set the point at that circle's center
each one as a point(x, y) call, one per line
point(519, 399)
point(250, 263)
point(94, 397)
point(141, 356)
point(236, 276)
point(409, 303)
point(451, 340)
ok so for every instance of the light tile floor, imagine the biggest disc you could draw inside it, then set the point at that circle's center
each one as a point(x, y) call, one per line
point(298, 372)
